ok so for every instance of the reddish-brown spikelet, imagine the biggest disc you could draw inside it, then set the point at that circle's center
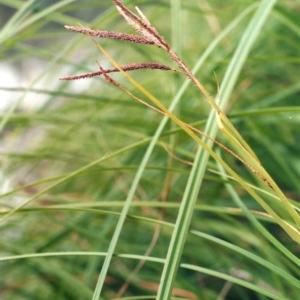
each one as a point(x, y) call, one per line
point(129, 67)
point(133, 38)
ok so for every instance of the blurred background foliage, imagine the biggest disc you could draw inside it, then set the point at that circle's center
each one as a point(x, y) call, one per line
point(74, 124)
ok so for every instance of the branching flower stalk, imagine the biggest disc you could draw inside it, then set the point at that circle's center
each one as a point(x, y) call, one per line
point(148, 35)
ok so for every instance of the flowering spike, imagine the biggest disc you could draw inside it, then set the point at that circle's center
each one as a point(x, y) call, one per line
point(111, 35)
point(128, 67)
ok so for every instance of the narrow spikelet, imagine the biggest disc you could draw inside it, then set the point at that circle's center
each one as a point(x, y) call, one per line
point(128, 67)
point(133, 38)
point(142, 26)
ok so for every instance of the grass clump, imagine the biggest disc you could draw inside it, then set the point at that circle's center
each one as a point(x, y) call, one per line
point(146, 186)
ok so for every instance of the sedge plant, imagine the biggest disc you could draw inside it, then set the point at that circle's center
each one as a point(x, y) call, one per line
point(186, 248)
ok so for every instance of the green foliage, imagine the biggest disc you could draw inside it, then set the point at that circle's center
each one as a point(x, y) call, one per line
point(108, 198)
